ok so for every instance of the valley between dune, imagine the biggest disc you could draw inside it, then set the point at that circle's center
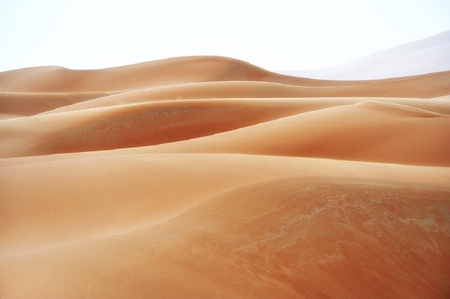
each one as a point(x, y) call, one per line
point(209, 177)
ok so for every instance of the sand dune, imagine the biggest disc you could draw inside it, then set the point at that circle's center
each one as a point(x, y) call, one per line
point(351, 133)
point(430, 86)
point(208, 177)
point(26, 104)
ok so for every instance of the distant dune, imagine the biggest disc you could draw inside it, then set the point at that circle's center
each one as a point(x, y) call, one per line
point(208, 177)
point(429, 55)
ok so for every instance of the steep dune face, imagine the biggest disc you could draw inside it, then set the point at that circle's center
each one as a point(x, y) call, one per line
point(208, 177)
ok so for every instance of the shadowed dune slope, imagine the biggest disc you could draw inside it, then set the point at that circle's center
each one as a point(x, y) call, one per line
point(208, 177)
point(138, 125)
point(26, 104)
point(368, 131)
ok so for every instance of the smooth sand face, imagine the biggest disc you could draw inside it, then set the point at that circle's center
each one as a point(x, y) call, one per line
point(207, 177)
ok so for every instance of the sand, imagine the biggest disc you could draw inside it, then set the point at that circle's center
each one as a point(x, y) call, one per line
point(208, 177)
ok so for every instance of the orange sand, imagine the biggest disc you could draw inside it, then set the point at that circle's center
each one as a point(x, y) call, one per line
point(208, 177)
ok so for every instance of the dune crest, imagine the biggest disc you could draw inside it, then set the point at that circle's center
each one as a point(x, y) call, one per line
point(209, 177)
point(399, 109)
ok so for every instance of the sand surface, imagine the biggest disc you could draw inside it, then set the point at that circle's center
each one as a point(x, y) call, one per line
point(208, 177)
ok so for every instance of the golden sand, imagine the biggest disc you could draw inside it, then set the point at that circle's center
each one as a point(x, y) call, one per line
point(208, 177)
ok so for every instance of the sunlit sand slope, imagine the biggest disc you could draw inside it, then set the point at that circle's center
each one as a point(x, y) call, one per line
point(208, 177)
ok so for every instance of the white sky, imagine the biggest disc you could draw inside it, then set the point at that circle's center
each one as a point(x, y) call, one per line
point(276, 35)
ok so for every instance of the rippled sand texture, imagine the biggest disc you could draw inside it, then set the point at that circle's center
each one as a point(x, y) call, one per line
point(208, 177)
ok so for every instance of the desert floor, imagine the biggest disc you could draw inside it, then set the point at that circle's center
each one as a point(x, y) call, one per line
point(208, 177)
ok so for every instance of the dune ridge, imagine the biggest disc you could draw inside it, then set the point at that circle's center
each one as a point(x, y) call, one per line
point(208, 177)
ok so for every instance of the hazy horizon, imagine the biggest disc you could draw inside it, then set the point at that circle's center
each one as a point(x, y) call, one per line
point(276, 36)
